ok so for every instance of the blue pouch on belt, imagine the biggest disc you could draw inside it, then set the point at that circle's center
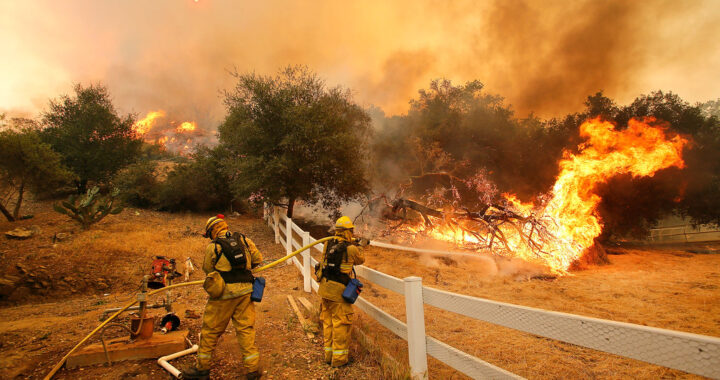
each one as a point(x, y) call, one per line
point(258, 288)
point(352, 290)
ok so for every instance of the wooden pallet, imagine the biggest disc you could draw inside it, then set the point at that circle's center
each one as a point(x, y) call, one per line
point(120, 349)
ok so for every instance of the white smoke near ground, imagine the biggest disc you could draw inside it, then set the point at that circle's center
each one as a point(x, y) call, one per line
point(321, 216)
point(369, 224)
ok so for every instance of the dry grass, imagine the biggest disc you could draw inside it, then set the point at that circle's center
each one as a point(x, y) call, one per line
point(111, 256)
point(661, 288)
point(45, 324)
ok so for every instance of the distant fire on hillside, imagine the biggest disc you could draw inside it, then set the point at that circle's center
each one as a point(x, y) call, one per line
point(179, 137)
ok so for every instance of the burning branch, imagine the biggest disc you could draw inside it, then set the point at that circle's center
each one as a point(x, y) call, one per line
point(562, 226)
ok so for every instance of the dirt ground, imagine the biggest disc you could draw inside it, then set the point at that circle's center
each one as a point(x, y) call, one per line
point(61, 290)
point(40, 323)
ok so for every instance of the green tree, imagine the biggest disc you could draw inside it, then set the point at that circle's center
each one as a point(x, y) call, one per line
point(291, 137)
point(138, 183)
point(461, 130)
point(197, 185)
point(631, 206)
point(87, 131)
point(711, 108)
point(26, 163)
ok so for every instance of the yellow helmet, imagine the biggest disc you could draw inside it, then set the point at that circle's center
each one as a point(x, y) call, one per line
point(212, 222)
point(344, 223)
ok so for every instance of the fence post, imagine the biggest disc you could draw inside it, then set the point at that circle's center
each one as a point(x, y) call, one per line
point(266, 214)
point(417, 354)
point(288, 236)
point(276, 226)
point(306, 263)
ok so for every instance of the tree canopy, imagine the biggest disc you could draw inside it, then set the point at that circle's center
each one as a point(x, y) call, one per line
point(26, 163)
point(87, 131)
point(290, 137)
point(459, 130)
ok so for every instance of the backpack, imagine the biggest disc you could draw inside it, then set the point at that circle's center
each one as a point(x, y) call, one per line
point(236, 250)
point(335, 254)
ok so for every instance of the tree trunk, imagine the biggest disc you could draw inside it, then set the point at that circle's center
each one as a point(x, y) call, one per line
point(16, 212)
point(593, 255)
point(291, 206)
point(81, 186)
point(6, 213)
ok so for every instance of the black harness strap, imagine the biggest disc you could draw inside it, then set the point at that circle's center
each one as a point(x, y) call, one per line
point(335, 255)
point(236, 253)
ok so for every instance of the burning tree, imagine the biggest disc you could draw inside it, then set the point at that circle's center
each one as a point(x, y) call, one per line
point(561, 226)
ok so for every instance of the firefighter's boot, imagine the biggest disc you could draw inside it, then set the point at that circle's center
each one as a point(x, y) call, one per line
point(196, 374)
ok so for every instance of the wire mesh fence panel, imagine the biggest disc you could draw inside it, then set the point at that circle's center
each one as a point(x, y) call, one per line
point(692, 353)
point(466, 363)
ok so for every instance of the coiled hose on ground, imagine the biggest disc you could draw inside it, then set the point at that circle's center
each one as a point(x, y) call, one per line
point(200, 282)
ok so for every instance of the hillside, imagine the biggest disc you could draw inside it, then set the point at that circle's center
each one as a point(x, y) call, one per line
point(101, 268)
point(64, 287)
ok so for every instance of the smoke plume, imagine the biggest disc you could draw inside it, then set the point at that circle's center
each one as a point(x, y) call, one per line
point(174, 55)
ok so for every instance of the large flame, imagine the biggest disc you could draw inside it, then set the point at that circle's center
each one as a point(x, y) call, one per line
point(187, 126)
point(144, 125)
point(570, 213)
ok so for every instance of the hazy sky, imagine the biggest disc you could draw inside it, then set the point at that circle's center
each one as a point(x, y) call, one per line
point(542, 56)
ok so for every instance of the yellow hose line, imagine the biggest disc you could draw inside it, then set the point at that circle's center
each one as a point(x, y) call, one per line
point(62, 361)
point(200, 282)
point(276, 262)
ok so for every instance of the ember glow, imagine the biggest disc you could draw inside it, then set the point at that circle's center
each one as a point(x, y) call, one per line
point(186, 127)
point(560, 229)
point(144, 125)
point(178, 137)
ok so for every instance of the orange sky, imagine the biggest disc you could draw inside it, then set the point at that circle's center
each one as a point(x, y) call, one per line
point(543, 56)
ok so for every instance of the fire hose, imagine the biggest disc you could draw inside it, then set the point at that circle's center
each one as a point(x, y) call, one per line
point(199, 282)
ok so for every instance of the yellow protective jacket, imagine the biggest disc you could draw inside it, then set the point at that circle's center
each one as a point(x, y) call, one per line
point(237, 289)
point(333, 290)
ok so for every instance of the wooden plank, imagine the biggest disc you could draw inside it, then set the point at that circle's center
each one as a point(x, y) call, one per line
point(303, 323)
point(122, 349)
point(308, 305)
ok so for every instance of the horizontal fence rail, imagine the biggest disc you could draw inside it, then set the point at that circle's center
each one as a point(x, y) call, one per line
point(465, 363)
point(693, 353)
point(685, 233)
point(388, 321)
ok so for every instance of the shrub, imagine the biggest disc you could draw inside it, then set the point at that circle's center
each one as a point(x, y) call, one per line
point(197, 185)
point(138, 184)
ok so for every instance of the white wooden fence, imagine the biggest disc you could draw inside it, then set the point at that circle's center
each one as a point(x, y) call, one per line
point(685, 233)
point(693, 353)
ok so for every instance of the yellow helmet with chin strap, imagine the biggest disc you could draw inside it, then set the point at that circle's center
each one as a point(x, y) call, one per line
point(212, 222)
point(344, 223)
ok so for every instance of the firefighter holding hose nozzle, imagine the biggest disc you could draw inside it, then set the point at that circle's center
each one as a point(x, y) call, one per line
point(338, 290)
point(230, 284)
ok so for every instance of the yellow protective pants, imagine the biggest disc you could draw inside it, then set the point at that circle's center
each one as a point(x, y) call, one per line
point(337, 319)
point(217, 315)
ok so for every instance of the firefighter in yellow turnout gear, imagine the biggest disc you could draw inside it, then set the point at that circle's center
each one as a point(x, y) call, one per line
point(233, 304)
point(333, 274)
